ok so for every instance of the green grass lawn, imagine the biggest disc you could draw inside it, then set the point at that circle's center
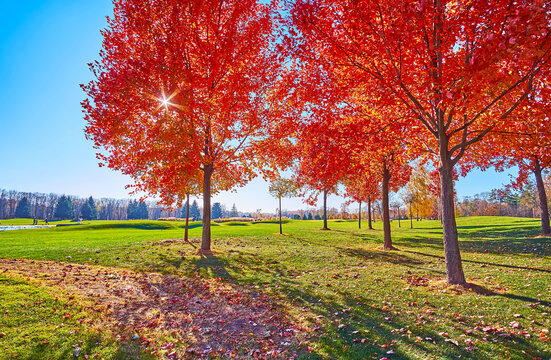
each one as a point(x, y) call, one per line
point(363, 303)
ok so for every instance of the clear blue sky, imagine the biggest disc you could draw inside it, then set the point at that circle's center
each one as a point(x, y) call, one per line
point(45, 47)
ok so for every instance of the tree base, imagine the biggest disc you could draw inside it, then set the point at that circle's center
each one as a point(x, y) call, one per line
point(463, 284)
point(204, 252)
point(391, 248)
point(325, 228)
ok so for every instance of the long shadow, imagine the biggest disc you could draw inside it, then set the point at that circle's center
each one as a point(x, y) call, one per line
point(482, 262)
point(393, 257)
point(487, 292)
point(510, 240)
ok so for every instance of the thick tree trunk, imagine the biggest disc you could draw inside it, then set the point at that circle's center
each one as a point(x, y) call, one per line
point(187, 219)
point(360, 216)
point(205, 240)
point(454, 267)
point(545, 228)
point(325, 210)
point(280, 226)
point(369, 224)
point(386, 211)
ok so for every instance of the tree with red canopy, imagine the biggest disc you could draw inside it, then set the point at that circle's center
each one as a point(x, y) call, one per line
point(460, 67)
point(527, 144)
point(384, 155)
point(363, 187)
point(319, 166)
point(185, 87)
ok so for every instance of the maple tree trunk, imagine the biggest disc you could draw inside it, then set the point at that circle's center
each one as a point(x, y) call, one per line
point(325, 210)
point(369, 224)
point(360, 216)
point(205, 240)
point(280, 226)
point(454, 267)
point(544, 210)
point(387, 245)
point(187, 219)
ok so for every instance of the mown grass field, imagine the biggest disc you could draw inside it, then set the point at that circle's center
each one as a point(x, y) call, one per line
point(359, 301)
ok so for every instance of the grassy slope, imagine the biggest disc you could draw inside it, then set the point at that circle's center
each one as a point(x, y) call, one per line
point(358, 295)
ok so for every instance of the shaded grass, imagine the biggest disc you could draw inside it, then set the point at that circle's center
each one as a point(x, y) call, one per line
point(357, 298)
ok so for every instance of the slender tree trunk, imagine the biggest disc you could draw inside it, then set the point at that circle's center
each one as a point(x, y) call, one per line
point(360, 216)
point(187, 219)
point(386, 211)
point(410, 216)
point(325, 210)
point(454, 267)
point(370, 225)
point(544, 210)
point(280, 226)
point(399, 218)
point(207, 177)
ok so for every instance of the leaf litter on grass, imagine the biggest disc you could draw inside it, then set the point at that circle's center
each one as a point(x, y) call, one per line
point(171, 316)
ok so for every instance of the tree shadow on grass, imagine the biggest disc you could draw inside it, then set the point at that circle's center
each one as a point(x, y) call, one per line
point(516, 267)
point(487, 292)
point(393, 257)
point(348, 325)
point(213, 266)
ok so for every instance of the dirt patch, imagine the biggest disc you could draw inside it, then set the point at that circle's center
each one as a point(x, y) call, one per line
point(172, 316)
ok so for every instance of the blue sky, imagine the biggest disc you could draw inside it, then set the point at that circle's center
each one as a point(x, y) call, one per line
point(45, 47)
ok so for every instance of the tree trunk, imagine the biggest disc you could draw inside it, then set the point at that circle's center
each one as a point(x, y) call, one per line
point(454, 268)
point(370, 225)
point(325, 210)
point(205, 240)
point(386, 211)
point(187, 220)
point(280, 226)
point(410, 216)
point(399, 218)
point(360, 216)
point(544, 210)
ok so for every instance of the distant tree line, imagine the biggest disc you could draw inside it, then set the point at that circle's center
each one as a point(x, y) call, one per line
point(503, 202)
point(17, 204)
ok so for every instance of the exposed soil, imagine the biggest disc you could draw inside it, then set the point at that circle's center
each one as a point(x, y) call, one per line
point(201, 317)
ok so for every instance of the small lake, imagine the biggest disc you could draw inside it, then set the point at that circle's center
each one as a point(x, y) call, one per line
point(24, 227)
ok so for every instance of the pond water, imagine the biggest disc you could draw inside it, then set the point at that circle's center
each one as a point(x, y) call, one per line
point(24, 227)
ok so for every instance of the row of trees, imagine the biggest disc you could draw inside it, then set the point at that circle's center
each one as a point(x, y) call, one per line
point(204, 94)
point(15, 204)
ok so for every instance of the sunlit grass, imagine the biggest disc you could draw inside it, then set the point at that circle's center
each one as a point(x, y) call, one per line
point(367, 303)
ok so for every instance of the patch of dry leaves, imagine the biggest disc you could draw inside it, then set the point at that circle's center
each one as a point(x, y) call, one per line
point(171, 316)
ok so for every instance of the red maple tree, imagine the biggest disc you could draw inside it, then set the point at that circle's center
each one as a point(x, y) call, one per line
point(460, 67)
point(185, 87)
point(363, 187)
point(527, 144)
